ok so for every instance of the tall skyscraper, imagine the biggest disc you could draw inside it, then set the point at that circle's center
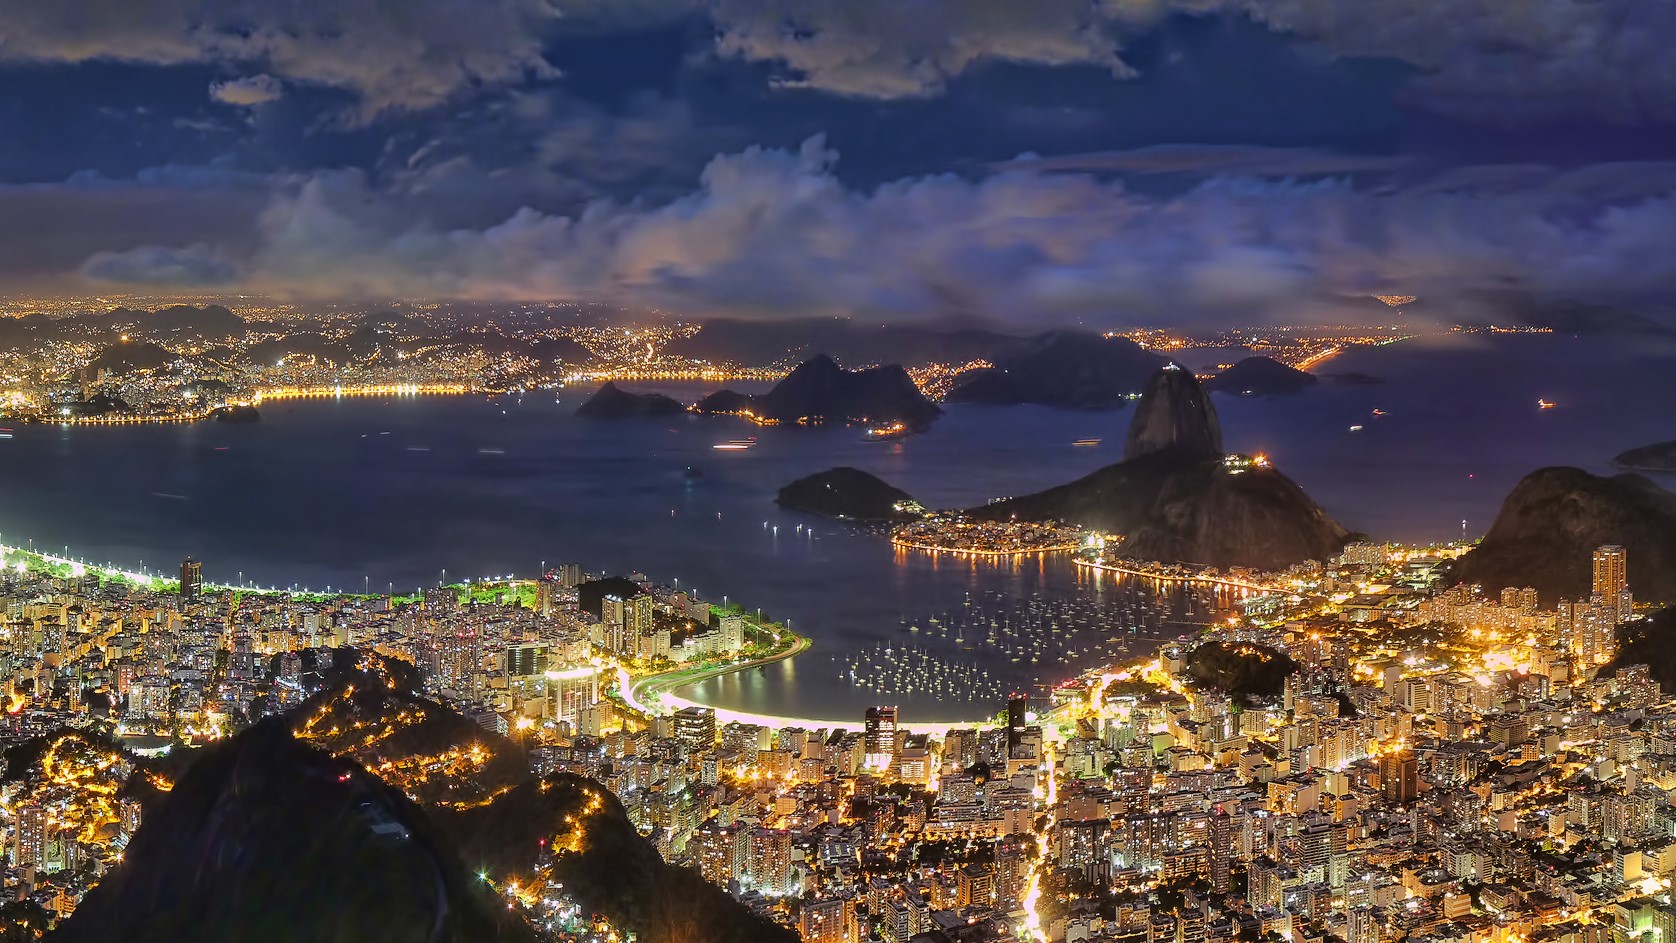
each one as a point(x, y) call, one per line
point(1017, 720)
point(1611, 579)
point(1399, 776)
point(191, 579)
point(31, 837)
point(882, 742)
point(1221, 849)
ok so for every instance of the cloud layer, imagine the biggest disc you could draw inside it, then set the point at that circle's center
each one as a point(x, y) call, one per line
point(774, 233)
point(393, 54)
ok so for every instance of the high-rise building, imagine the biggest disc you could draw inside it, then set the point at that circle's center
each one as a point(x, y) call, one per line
point(545, 589)
point(570, 693)
point(822, 921)
point(1611, 579)
point(191, 579)
point(695, 727)
point(772, 871)
point(31, 847)
point(1017, 720)
point(1221, 849)
point(1399, 776)
point(882, 741)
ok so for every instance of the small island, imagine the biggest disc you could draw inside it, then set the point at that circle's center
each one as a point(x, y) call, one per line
point(1261, 376)
point(1658, 457)
point(612, 402)
point(848, 494)
point(820, 392)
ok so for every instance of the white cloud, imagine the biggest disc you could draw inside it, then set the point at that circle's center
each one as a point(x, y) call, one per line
point(195, 266)
point(891, 49)
point(251, 90)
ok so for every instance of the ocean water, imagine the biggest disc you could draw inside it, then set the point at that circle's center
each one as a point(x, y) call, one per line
point(373, 493)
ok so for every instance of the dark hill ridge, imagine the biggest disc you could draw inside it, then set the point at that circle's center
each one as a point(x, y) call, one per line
point(128, 357)
point(1175, 415)
point(613, 402)
point(846, 494)
point(1660, 456)
point(499, 815)
point(820, 391)
point(1068, 369)
point(1552, 521)
point(1260, 376)
point(760, 343)
point(267, 839)
point(1178, 509)
point(1176, 498)
point(616, 872)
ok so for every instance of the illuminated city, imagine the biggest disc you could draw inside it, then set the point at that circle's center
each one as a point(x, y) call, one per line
point(872, 471)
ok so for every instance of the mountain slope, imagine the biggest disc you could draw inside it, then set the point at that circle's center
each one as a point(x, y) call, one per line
point(1176, 498)
point(267, 839)
point(1175, 415)
point(1552, 521)
point(1068, 369)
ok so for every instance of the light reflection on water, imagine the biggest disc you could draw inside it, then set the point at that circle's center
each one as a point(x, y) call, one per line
point(336, 493)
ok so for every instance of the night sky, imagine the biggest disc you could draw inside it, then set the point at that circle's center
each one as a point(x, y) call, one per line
point(1006, 161)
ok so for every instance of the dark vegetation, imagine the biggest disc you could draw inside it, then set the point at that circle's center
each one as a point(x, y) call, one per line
point(1250, 673)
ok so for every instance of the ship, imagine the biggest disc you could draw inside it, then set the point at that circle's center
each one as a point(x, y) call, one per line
point(1086, 443)
point(885, 433)
point(1544, 404)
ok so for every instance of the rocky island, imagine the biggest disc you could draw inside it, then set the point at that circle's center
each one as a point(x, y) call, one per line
point(1176, 498)
point(1261, 376)
point(1658, 457)
point(1067, 369)
point(848, 494)
point(1554, 518)
point(819, 391)
point(612, 402)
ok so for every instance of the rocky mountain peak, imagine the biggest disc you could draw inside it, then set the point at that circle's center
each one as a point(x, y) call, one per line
point(1175, 415)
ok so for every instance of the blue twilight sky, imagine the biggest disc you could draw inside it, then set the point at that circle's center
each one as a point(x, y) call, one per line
point(1030, 162)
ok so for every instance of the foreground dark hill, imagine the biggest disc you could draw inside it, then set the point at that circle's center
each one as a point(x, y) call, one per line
point(267, 839)
point(1176, 499)
point(1068, 369)
point(499, 815)
point(820, 391)
point(1552, 521)
point(606, 863)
